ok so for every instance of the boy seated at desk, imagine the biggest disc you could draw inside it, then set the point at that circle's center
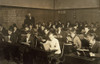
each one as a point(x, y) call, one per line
point(52, 46)
point(27, 38)
point(75, 39)
point(94, 45)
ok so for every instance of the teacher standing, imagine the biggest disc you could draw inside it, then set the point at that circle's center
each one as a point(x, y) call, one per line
point(29, 20)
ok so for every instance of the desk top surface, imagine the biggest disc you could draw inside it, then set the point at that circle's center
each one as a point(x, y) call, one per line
point(81, 57)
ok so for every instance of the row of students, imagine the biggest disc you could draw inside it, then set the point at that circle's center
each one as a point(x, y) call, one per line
point(33, 36)
point(42, 31)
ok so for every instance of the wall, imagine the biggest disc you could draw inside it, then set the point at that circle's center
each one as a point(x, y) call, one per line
point(14, 11)
point(10, 15)
point(65, 10)
point(89, 15)
point(77, 10)
point(69, 4)
point(45, 4)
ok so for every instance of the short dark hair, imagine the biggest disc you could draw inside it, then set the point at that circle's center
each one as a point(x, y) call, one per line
point(92, 35)
point(73, 29)
point(50, 33)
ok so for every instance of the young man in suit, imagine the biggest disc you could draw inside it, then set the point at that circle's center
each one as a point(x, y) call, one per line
point(8, 45)
point(75, 39)
point(94, 46)
point(27, 43)
point(11, 49)
point(29, 20)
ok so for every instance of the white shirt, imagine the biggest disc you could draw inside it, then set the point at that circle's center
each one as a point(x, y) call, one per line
point(52, 45)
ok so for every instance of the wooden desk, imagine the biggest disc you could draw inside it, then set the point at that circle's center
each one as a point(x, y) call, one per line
point(74, 59)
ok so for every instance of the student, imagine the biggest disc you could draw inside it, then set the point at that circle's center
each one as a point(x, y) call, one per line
point(8, 37)
point(46, 31)
point(68, 24)
point(41, 30)
point(75, 39)
point(53, 44)
point(3, 31)
point(15, 44)
point(8, 45)
point(94, 45)
point(53, 29)
point(26, 37)
point(15, 33)
point(27, 41)
point(60, 33)
point(1, 34)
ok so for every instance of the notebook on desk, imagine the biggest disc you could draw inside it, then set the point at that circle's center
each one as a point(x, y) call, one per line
point(83, 52)
point(46, 46)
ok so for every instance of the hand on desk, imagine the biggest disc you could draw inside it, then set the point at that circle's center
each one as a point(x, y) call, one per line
point(9, 41)
point(26, 43)
point(43, 40)
point(92, 54)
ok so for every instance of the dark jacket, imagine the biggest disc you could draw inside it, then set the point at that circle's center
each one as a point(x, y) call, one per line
point(28, 21)
point(13, 38)
point(23, 37)
point(96, 49)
